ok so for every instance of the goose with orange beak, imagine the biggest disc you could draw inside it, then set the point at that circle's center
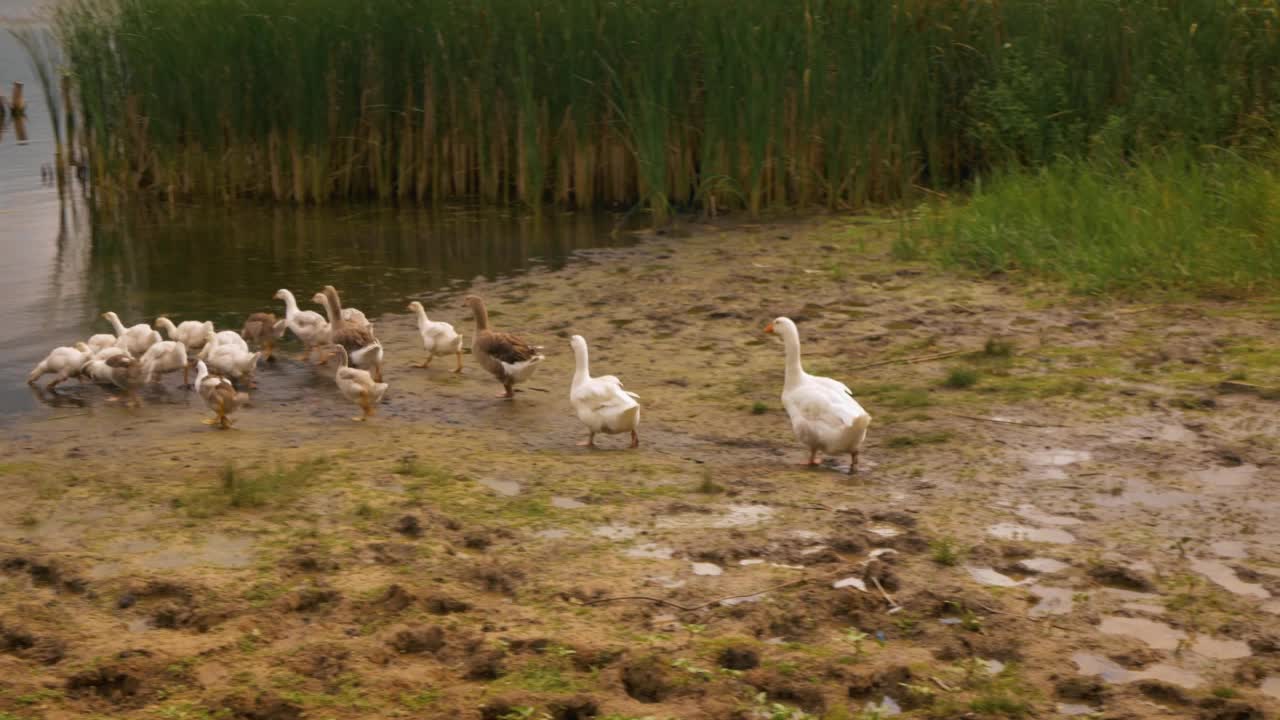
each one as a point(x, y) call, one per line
point(823, 413)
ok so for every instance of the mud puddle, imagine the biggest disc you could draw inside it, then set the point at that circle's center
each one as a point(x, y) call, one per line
point(1224, 576)
point(1112, 672)
point(1014, 531)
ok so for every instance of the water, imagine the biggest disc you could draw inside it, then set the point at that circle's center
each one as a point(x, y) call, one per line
point(1112, 672)
point(1013, 531)
point(1058, 457)
point(1227, 578)
point(506, 488)
point(1220, 648)
point(615, 532)
point(650, 551)
point(62, 266)
point(1033, 514)
point(853, 582)
point(1156, 635)
point(1052, 601)
point(1043, 565)
point(706, 568)
point(733, 516)
point(1227, 477)
point(988, 576)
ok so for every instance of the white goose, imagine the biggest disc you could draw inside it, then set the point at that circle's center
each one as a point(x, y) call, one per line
point(357, 385)
point(601, 403)
point(63, 363)
point(309, 326)
point(102, 341)
point(165, 357)
point(438, 337)
point(135, 339)
point(233, 359)
point(192, 333)
point(823, 413)
point(228, 338)
point(108, 365)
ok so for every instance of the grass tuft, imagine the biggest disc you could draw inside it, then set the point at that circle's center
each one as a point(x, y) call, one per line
point(241, 489)
point(960, 378)
point(945, 551)
point(997, 348)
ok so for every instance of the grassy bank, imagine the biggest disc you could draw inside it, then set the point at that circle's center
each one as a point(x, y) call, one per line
point(1172, 223)
point(690, 103)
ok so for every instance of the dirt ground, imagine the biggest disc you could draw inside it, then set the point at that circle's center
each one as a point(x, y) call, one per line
point(1072, 515)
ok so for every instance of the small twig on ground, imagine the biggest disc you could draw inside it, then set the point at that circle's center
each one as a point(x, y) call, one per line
point(646, 598)
point(61, 417)
point(994, 611)
point(1135, 311)
point(893, 605)
point(938, 681)
point(1244, 387)
point(911, 360)
point(819, 506)
point(1005, 422)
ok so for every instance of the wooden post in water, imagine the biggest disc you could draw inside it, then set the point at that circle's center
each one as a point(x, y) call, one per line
point(69, 117)
point(17, 106)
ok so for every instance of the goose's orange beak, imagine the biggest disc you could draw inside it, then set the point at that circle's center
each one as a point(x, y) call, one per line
point(769, 328)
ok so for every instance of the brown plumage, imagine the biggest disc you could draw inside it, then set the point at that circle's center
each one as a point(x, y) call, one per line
point(352, 337)
point(506, 356)
point(263, 329)
point(355, 338)
point(127, 375)
point(220, 395)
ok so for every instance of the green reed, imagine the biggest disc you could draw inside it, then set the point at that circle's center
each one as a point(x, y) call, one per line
point(718, 103)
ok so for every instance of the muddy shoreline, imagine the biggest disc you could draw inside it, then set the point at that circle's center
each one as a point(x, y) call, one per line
point(1072, 516)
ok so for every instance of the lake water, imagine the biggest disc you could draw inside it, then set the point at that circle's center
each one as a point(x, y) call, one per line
point(62, 265)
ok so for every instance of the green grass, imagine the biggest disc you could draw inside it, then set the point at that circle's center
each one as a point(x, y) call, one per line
point(724, 103)
point(248, 489)
point(896, 396)
point(928, 438)
point(1206, 223)
point(410, 465)
point(420, 700)
point(945, 551)
point(541, 677)
point(1225, 692)
point(960, 378)
point(997, 348)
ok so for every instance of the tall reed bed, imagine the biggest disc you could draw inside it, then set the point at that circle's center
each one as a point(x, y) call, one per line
point(710, 103)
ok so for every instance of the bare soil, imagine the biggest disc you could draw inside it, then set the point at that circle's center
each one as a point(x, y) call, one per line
point(1072, 515)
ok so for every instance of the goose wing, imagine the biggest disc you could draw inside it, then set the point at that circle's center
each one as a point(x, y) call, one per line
point(505, 347)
